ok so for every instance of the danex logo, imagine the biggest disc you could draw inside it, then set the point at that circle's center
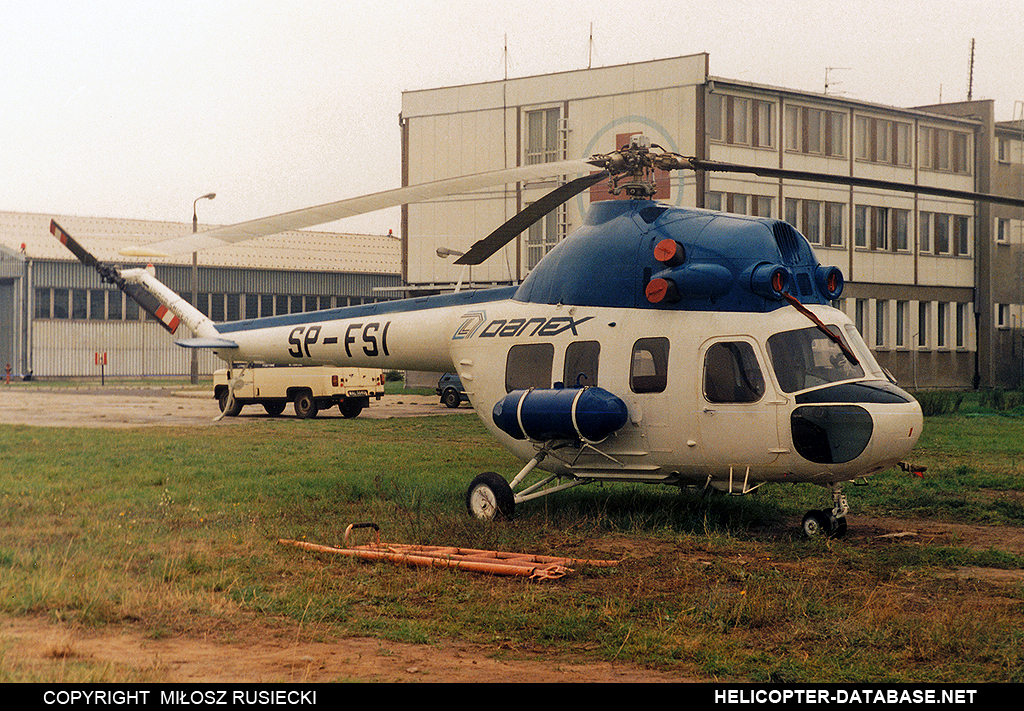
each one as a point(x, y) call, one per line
point(510, 328)
point(473, 321)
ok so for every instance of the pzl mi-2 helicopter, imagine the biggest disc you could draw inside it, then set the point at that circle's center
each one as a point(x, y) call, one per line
point(654, 344)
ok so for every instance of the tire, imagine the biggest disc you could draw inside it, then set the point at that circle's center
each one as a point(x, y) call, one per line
point(228, 405)
point(816, 524)
point(305, 404)
point(451, 398)
point(821, 523)
point(350, 408)
point(273, 408)
point(490, 498)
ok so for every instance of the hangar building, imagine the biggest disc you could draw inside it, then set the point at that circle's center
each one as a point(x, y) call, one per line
point(57, 319)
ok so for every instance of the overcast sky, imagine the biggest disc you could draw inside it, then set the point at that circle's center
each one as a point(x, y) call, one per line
point(133, 109)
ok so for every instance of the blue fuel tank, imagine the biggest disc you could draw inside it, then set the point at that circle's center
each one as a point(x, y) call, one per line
point(588, 414)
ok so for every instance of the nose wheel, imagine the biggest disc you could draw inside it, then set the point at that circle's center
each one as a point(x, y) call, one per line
point(823, 523)
point(831, 524)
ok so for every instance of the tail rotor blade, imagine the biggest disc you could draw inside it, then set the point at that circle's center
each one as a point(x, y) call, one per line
point(110, 274)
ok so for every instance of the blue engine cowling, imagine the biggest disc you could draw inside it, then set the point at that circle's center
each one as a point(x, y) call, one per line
point(588, 414)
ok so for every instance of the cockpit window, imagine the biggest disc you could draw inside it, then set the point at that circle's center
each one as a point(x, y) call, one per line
point(808, 358)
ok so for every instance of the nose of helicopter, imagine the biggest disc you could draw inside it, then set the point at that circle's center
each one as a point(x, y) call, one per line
point(896, 430)
point(869, 426)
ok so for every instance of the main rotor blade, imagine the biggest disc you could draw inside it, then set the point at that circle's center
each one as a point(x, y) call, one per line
point(322, 214)
point(522, 221)
point(716, 166)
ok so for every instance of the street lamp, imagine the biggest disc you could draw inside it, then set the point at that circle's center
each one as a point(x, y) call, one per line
point(195, 280)
point(444, 252)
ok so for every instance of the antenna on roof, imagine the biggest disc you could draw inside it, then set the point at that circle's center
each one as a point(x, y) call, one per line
point(831, 69)
point(970, 73)
point(590, 56)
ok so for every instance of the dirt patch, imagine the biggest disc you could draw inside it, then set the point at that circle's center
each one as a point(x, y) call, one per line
point(261, 657)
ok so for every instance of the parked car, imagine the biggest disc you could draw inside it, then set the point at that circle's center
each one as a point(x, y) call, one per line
point(450, 389)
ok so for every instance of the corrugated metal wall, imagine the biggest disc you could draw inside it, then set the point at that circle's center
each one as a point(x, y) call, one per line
point(133, 348)
point(67, 347)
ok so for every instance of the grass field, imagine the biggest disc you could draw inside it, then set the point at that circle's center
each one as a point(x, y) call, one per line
point(174, 531)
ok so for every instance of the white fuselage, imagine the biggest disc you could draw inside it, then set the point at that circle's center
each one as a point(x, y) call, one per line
point(677, 430)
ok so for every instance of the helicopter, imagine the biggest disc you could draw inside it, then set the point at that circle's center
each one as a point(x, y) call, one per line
point(655, 344)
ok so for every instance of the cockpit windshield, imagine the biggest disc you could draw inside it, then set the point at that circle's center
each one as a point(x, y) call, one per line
point(807, 358)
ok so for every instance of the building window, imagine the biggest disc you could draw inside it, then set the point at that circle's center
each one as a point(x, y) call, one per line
point(741, 121)
point(961, 325)
point(881, 229)
point(860, 316)
point(542, 136)
point(900, 324)
point(961, 235)
point(115, 302)
point(882, 141)
point(42, 309)
point(1002, 316)
point(923, 314)
point(1002, 230)
point(940, 223)
point(79, 304)
point(815, 131)
point(901, 229)
point(941, 233)
point(97, 305)
point(881, 319)
point(542, 236)
point(820, 222)
point(944, 150)
point(942, 311)
point(738, 204)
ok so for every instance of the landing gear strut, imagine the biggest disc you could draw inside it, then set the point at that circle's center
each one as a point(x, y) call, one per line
point(828, 523)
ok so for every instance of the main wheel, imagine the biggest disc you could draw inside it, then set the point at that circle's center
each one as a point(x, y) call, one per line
point(305, 405)
point(451, 398)
point(490, 498)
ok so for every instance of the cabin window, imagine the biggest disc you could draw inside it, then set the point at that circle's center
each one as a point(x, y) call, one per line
point(808, 358)
point(648, 372)
point(732, 374)
point(580, 369)
point(529, 366)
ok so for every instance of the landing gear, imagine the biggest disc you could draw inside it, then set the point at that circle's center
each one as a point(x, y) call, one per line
point(490, 498)
point(828, 523)
point(821, 523)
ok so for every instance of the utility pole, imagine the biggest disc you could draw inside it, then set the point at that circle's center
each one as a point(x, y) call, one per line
point(194, 369)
